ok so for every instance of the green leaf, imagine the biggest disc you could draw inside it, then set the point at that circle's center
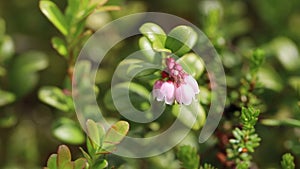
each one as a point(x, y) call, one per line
point(6, 98)
point(68, 131)
point(181, 40)
point(281, 122)
point(192, 64)
point(155, 35)
point(63, 156)
point(80, 163)
point(147, 50)
point(7, 49)
point(189, 157)
point(114, 136)
point(95, 132)
point(191, 112)
point(23, 72)
point(52, 12)
point(60, 46)
point(101, 164)
point(287, 161)
point(55, 97)
point(51, 163)
point(286, 52)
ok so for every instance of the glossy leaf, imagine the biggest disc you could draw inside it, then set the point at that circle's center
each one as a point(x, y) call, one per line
point(52, 12)
point(181, 40)
point(191, 112)
point(55, 97)
point(192, 64)
point(6, 97)
point(60, 46)
point(146, 47)
point(67, 131)
point(155, 35)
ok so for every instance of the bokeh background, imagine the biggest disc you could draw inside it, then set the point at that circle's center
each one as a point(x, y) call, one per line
point(26, 124)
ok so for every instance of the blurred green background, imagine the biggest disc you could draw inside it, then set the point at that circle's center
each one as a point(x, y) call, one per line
point(273, 25)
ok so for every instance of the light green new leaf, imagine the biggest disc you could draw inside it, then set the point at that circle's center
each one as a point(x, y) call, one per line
point(60, 46)
point(52, 12)
point(181, 40)
point(51, 163)
point(101, 164)
point(6, 97)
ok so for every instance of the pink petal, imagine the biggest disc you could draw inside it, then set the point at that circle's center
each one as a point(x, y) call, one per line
point(168, 90)
point(189, 80)
point(184, 94)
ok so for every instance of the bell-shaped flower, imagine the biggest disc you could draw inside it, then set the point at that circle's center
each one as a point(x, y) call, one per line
point(186, 92)
point(164, 91)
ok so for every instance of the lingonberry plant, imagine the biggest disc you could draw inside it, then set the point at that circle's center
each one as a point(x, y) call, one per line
point(257, 45)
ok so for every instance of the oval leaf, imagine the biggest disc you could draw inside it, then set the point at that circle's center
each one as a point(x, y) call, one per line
point(60, 46)
point(63, 156)
point(181, 40)
point(6, 97)
point(55, 97)
point(67, 131)
point(52, 12)
point(114, 136)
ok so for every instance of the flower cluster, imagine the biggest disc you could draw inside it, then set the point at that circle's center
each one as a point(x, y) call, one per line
point(175, 84)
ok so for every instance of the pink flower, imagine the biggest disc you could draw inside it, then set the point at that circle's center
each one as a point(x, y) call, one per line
point(164, 91)
point(175, 85)
point(186, 92)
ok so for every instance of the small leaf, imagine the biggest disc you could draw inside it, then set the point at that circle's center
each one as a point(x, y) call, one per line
point(52, 12)
point(155, 35)
point(181, 40)
point(80, 163)
point(114, 136)
point(63, 156)
point(146, 47)
point(6, 97)
point(101, 164)
point(60, 46)
point(7, 49)
point(95, 132)
point(51, 163)
point(67, 131)
point(55, 97)
point(192, 64)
